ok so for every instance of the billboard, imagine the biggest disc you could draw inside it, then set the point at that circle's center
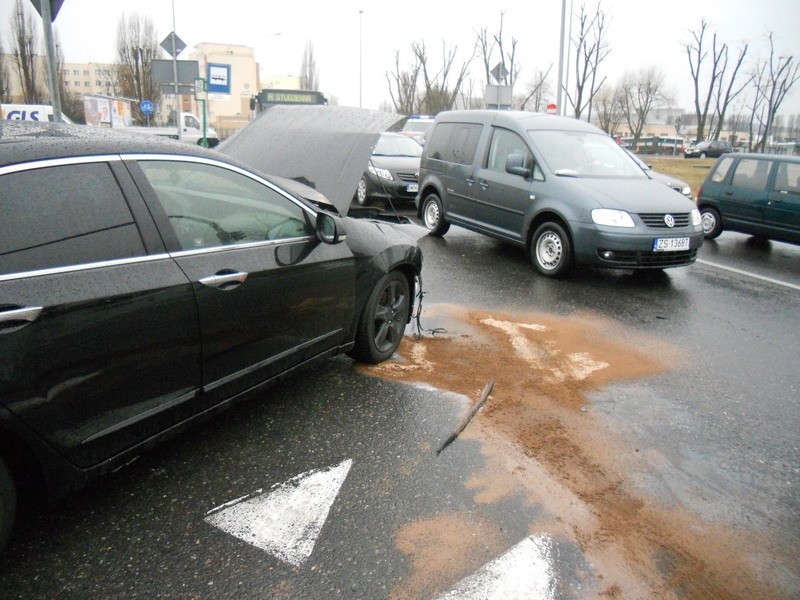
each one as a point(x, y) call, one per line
point(105, 111)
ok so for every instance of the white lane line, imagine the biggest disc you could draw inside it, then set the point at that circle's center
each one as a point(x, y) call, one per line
point(749, 274)
point(287, 520)
point(523, 573)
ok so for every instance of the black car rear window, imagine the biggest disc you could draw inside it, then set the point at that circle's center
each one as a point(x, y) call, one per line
point(63, 216)
point(454, 142)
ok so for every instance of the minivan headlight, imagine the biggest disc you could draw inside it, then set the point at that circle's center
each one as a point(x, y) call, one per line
point(612, 218)
point(382, 173)
point(696, 218)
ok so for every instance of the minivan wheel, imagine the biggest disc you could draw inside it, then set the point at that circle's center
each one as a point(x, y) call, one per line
point(361, 193)
point(383, 322)
point(712, 224)
point(433, 215)
point(8, 504)
point(551, 251)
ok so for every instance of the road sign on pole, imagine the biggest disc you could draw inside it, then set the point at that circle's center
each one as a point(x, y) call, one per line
point(55, 6)
point(146, 107)
point(173, 44)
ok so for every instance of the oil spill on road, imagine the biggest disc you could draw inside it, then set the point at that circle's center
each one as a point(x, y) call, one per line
point(538, 442)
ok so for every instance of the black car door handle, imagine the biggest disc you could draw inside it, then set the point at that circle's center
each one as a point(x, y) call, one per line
point(225, 280)
point(13, 319)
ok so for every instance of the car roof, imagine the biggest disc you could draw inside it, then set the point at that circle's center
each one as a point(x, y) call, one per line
point(785, 157)
point(524, 119)
point(25, 141)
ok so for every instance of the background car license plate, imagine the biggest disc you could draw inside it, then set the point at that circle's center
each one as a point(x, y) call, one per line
point(412, 187)
point(670, 244)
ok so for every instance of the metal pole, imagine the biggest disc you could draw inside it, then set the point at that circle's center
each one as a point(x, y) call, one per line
point(175, 77)
point(569, 52)
point(360, 60)
point(52, 76)
point(561, 56)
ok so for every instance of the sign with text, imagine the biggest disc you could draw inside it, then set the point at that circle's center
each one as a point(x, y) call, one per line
point(219, 79)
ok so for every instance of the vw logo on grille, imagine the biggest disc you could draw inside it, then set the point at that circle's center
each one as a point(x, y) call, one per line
point(669, 220)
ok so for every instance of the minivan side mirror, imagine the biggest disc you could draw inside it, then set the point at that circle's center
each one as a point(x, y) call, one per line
point(330, 229)
point(515, 164)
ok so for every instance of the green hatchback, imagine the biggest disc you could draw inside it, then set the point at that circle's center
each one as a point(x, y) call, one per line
point(757, 194)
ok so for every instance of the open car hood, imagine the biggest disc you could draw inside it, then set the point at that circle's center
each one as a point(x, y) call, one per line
point(324, 147)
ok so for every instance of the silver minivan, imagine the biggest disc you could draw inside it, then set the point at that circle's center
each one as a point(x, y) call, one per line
point(556, 186)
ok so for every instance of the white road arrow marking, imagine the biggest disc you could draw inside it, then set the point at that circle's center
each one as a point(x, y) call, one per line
point(286, 520)
point(523, 573)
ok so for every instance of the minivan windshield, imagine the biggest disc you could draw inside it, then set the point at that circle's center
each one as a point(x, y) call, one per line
point(583, 154)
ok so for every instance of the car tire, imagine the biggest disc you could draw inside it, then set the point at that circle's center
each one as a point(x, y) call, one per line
point(8, 504)
point(433, 215)
point(551, 250)
point(702, 155)
point(384, 319)
point(361, 193)
point(711, 222)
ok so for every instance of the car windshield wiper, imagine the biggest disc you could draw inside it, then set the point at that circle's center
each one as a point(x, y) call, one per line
point(566, 172)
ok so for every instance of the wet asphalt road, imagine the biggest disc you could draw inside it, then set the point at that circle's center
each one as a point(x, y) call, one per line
point(727, 423)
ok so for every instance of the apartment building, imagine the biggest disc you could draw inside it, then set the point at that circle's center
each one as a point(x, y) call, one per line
point(228, 107)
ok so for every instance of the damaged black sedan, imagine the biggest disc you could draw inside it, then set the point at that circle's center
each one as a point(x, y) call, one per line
point(146, 283)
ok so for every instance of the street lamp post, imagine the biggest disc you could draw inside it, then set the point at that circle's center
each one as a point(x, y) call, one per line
point(360, 59)
point(561, 56)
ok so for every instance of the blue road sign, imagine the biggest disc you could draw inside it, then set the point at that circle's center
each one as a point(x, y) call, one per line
point(146, 107)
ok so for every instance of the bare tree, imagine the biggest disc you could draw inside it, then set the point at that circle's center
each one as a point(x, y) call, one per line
point(25, 54)
point(639, 93)
point(712, 92)
point(781, 74)
point(5, 76)
point(309, 74)
point(610, 115)
point(724, 98)
point(736, 121)
point(439, 94)
point(756, 104)
point(793, 127)
point(538, 91)
point(137, 47)
point(485, 46)
point(591, 48)
point(403, 86)
point(71, 104)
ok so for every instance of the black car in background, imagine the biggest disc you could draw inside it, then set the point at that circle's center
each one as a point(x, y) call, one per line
point(146, 283)
point(712, 149)
point(393, 170)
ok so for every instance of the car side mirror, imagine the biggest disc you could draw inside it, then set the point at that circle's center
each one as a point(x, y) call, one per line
point(515, 164)
point(330, 229)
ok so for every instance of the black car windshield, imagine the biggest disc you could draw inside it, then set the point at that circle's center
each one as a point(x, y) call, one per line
point(584, 154)
point(397, 145)
point(417, 126)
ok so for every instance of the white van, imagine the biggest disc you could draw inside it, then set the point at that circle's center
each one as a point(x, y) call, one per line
point(30, 112)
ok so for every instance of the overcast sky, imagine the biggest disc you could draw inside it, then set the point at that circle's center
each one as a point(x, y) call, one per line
point(641, 33)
